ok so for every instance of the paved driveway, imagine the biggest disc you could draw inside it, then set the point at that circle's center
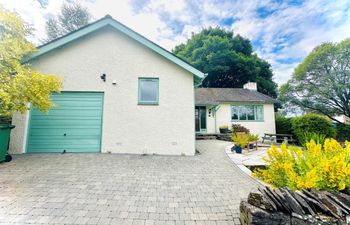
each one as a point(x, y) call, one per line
point(123, 189)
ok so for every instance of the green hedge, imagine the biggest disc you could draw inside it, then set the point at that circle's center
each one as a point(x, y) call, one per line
point(343, 132)
point(312, 123)
point(284, 125)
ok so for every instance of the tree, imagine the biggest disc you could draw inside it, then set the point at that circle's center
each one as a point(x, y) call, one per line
point(19, 84)
point(321, 82)
point(227, 59)
point(72, 17)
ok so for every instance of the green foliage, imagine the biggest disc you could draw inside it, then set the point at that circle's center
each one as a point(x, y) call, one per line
point(321, 83)
point(237, 128)
point(253, 137)
point(318, 167)
point(228, 60)
point(307, 137)
point(19, 85)
point(240, 139)
point(284, 125)
point(72, 17)
point(343, 132)
point(312, 123)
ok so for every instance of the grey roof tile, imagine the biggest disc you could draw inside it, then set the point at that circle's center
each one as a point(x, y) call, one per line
point(210, 96)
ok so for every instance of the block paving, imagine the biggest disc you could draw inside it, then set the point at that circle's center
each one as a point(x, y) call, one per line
point(205, 189)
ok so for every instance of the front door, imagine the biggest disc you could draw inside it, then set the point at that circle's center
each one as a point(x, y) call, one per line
point(201, 119)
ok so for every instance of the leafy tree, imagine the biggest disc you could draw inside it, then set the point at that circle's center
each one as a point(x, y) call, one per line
point(321, 83)
point(19, 84)
point(228, 60)
point(72, 17)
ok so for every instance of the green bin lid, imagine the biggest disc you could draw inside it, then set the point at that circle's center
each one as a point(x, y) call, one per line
point(7, 126)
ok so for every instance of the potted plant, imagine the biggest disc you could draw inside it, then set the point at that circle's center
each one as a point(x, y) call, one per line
point(223, 129)
point(239, 129)
point(253, 139)
point(240, 140)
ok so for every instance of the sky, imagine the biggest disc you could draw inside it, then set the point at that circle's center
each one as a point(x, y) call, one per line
point(282, 32)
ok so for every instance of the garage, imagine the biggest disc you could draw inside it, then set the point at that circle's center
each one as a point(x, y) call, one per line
point(74, 124)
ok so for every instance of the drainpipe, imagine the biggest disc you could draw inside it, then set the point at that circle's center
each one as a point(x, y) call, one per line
point(215, 109)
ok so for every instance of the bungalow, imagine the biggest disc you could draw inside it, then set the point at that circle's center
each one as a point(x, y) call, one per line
point(226, 106)
point(122, 94)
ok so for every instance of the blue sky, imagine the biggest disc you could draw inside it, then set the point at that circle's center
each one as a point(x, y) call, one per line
point(282, 32)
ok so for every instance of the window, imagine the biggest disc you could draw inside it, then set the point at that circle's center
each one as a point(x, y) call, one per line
point(148, 91)
point(247, 113)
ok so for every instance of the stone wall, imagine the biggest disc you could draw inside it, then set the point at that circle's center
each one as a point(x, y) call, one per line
point(286, 207)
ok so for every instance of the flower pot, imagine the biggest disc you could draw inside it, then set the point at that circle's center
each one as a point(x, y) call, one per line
point(238, 149)
point(223, 130)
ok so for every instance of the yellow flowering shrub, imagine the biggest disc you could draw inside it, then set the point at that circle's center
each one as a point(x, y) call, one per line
point(320, 167)
point(19, 85)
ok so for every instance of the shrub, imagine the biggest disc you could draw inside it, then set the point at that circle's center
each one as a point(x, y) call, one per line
point(284, 125)
point(240, 139)
point(312, 123)
point(320, 167)
point(307, 137)
point(343, 132)
point(239, 128)
point(253, 137)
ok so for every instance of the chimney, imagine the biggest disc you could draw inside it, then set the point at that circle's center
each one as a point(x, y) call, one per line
point(250, 86)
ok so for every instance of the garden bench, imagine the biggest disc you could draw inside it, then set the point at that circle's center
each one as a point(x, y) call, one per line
point(287, 138)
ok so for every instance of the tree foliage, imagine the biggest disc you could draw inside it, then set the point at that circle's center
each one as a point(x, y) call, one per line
point(228, 60)
point(72, 17)
point(321, 83)
point(19, 84)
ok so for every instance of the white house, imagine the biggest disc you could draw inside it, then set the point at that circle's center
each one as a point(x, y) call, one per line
point(122, 94)
point(226, 106)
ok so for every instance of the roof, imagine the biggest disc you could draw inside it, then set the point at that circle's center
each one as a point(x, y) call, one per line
point(214, 96)
point(109, 21)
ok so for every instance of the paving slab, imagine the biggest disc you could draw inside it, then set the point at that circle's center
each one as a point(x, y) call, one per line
point(123, 189)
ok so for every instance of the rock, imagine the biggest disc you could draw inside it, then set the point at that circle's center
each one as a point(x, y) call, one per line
point(251, 215)
point(279, 194)
point(330, 204)
point(268, 193)
point(344, 198)
point(294, 204)
point(257, 199)
point(298, 221)
point(316, 204)
point(307, 209)
point(339, 202)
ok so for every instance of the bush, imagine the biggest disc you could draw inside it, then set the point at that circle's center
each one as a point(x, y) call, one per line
point(307, 137)
point(343, 132)
point(239, 128)
point(319, 167)
point(284, 125)
point(312, 123)
point(240, 140)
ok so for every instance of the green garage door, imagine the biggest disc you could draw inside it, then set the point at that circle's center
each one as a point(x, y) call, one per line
point(73, 124)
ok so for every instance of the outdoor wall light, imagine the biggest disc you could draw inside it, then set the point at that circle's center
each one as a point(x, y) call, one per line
point(103, 77)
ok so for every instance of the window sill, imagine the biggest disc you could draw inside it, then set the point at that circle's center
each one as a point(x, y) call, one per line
point(240, 121)
point(148, 103)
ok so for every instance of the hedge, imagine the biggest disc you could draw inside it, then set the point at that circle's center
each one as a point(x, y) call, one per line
point(312, 123)
point(284, 125)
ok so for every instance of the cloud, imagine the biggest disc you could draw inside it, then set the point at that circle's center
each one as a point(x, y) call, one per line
point(282, 32)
